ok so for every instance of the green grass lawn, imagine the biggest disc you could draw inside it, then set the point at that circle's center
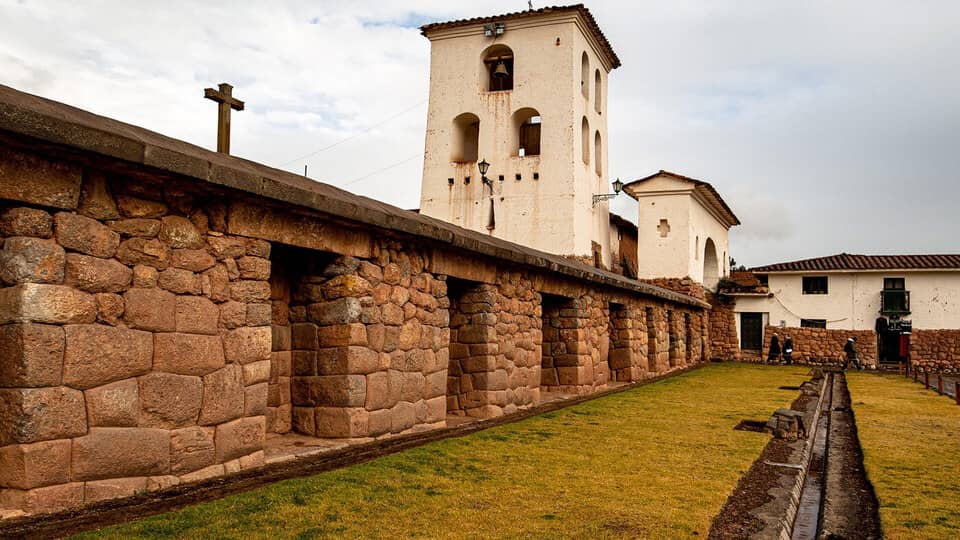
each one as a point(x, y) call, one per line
point(911, 448)
point(657, 461)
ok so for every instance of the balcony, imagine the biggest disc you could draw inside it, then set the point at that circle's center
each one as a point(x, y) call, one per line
point(894, 302)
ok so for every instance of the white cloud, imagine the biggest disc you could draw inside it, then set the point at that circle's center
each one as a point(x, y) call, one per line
point(827, 126)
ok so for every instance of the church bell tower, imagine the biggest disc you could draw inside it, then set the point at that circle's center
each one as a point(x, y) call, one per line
point(516, 142)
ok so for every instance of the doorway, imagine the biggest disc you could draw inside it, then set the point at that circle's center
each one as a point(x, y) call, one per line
point(751, 332)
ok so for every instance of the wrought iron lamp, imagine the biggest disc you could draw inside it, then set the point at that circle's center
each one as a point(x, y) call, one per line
point(484, 167)
point(617, 188)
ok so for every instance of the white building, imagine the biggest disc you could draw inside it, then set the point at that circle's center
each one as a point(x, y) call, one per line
point(884, 293)
point(682, 229)
point(525, 92)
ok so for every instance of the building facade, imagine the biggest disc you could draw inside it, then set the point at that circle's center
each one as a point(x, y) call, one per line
point(526, 93)
point(890, 298)
point(683, 228)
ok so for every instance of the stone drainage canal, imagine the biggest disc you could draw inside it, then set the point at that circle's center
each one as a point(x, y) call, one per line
point(809, 482)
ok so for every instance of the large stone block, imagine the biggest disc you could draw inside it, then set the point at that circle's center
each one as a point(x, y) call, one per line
point(38, 414)
point(187, 354)
point(255, 220)
point(32, 179)
point(250, 291)
point(93, 274)
point(196, 260)
point(97, 354)
point(31, 355)
point(249, 344)
point(347, 360)
point(233, 314)
point(226, 247)
point(180, 232)
point(114, 405)
point(54, 304)
point(342, 422)
point(28, 466)
point(114, 488)
point(24, 221)
point(121, 452)
point(378, 391)
point(255, 400)
point(257, 372)
point(332, 390)
point(341, 311)
point(196, 315)
point(254, 268)
point(403, 416)
point(180, 281)
point(95, 199)
point(144, 251)
point(240, 437)
point(150, 309)
point(223, 396)
point(191, 449)
point(43, 500)
point(168, 400)
point(80, 233)
point(31, 260)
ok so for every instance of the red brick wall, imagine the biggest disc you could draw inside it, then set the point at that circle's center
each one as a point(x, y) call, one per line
point(937, 350)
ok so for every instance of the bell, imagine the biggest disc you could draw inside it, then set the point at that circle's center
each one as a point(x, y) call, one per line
point(501, 70)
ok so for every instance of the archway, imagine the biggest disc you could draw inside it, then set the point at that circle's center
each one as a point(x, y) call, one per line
point(711, 266)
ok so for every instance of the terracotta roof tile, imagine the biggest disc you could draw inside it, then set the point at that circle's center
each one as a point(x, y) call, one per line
point(580, 8)
point(847, 261)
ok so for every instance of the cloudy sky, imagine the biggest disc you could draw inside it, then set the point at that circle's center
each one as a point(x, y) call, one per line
point(827, 126)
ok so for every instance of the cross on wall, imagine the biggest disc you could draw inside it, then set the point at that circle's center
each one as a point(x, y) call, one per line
point(663, 228)
point(224, 97)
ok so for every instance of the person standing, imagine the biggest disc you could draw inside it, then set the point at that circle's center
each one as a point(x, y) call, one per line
point(774, 354)
point(850, 349)
point(788, 350)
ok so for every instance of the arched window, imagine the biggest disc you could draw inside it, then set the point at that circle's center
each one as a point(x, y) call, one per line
point(598, 154)
point(711, 266)
point(466, 138)
point(585, 140)
point(585, 75)
point(526, 130)
point(596, 90)
point(497, 68)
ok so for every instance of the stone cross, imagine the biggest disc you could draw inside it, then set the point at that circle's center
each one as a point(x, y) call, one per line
point(664, 228)
point(224, 97)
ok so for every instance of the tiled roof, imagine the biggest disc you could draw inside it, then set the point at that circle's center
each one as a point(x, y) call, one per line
point(704, 188)
point(846, 261)
point(580, 8)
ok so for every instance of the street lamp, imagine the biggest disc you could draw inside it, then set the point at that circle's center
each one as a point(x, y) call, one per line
point(617, 188)
point(484, 167)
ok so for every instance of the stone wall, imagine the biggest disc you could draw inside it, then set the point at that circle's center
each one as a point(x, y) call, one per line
point(164, 309)
point(822, 345)
point(936, 350)
point(685, 286)
point(724, 343)
point(136, 342)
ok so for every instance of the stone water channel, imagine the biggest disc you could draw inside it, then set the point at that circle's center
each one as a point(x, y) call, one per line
point(809, 482)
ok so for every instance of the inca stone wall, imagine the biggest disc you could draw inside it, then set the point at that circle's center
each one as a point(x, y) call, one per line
point(936, 350)
point(166, 312)
point(136, 341)
point(823, 345)
point(724, 343)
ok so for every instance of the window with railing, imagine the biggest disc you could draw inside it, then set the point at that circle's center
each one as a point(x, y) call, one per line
point(894, 302)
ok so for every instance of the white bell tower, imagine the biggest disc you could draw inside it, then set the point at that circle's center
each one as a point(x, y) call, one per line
point(523, 96)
